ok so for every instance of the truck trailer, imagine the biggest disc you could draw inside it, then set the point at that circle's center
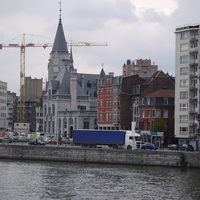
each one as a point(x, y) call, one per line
point(118, 139)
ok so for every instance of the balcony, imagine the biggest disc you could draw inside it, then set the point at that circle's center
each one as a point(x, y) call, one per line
point(193, 87)
point(194, 50)
point(193, 99)
point(193, 63)
point(194, 38)
point(194, 75)
point(193, 111)
point(193, 124)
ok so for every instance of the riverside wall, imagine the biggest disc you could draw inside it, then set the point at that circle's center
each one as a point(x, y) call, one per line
point(76, 154)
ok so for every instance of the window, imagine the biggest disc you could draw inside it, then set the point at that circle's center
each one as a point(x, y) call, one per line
point(100, 104)
point(184, 47)
point(184, 71)
point(153, 113)
point(148, 101)
point(143, 113)
point(183, 106)
point(184, 83)
point(183, 118)
point(116, 102)
point(183, 94)
point(184, 59)
point(101, 93)
point(49, 110)
point(100, 117)
point(148, 113)
point(107, 102)
point(53, 109)
point(86, 123)
point(115, 115)
point(143, 101)
point(107, 114)
point(184, 35)
point(165, 101)
point(165, 113)
point(158, 113)
point(183, 130)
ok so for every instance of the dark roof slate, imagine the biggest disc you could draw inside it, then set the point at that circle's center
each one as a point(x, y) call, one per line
point(162, 93)
point(60, 44)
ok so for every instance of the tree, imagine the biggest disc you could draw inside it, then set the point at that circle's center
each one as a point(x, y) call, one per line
point(159, 125)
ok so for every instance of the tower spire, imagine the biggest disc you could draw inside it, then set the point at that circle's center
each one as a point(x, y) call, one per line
point(60, 9)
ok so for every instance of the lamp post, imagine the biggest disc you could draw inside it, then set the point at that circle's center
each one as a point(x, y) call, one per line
point(135, 111)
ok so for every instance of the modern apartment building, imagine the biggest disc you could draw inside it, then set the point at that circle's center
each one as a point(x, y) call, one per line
point(187, 84)
point(144, 68)
point(3, 105)
point(11, 110)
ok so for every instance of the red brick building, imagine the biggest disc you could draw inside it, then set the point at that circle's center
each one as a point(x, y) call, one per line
point(157, 101)
point(115, 101)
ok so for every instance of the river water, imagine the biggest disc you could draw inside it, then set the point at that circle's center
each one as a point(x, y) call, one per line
point(30, 180)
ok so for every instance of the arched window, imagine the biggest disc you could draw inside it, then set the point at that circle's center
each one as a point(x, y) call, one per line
point(45, 110)
point(49, 94)
point(49, 111)
point(65, 123)
point(53, 109)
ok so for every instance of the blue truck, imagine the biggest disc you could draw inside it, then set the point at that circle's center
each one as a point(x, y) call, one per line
point(111, 138)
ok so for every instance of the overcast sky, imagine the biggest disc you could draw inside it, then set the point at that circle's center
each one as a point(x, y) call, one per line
point(133, 29)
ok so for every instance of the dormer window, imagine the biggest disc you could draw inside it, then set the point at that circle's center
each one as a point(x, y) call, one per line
point(165, 101)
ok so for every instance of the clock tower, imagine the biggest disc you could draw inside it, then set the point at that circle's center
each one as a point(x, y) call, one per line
point(60, 57)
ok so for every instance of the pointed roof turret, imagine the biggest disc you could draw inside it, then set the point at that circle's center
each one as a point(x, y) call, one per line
point(102, 74)
point(60, 44)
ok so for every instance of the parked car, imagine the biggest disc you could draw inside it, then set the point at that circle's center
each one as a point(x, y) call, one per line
point(14, 138)
point(149, 146)
point(6, 139)
point(65, 141)
point(55, 141)
point(187, 147)
point(173, 147)
point(36, 141)
point(23, 138)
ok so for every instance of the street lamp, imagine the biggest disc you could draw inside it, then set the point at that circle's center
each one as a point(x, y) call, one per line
point(135, 111)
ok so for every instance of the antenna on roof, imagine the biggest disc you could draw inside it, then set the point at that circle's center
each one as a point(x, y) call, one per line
point(60, 9)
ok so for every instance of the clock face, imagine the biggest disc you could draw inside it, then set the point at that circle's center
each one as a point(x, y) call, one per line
point(55, 69)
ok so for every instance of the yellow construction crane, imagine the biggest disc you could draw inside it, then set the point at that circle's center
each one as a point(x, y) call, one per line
point(22, 47)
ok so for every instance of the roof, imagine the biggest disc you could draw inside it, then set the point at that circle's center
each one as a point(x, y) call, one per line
point(102, 74)
point(60, 44)
point(162, 93)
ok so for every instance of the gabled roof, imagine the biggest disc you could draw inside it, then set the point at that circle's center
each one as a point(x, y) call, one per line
point(162, 93)
point(157, 74)
point(60, 44)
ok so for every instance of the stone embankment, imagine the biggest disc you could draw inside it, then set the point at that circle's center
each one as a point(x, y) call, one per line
point(76, 154)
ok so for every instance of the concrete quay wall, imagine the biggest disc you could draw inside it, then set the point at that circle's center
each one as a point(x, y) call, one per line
point(76, 154)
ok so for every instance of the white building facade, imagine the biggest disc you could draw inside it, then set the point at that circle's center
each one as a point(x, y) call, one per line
point(187, 84)
point(70, 99)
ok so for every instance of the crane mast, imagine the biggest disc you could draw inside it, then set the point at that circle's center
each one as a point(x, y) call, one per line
point(22, 81)
point(23, 47)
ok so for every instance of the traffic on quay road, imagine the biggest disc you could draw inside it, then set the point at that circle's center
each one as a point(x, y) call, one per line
point(15, 138)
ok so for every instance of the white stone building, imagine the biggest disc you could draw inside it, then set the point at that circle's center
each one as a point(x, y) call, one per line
point(70, 101)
